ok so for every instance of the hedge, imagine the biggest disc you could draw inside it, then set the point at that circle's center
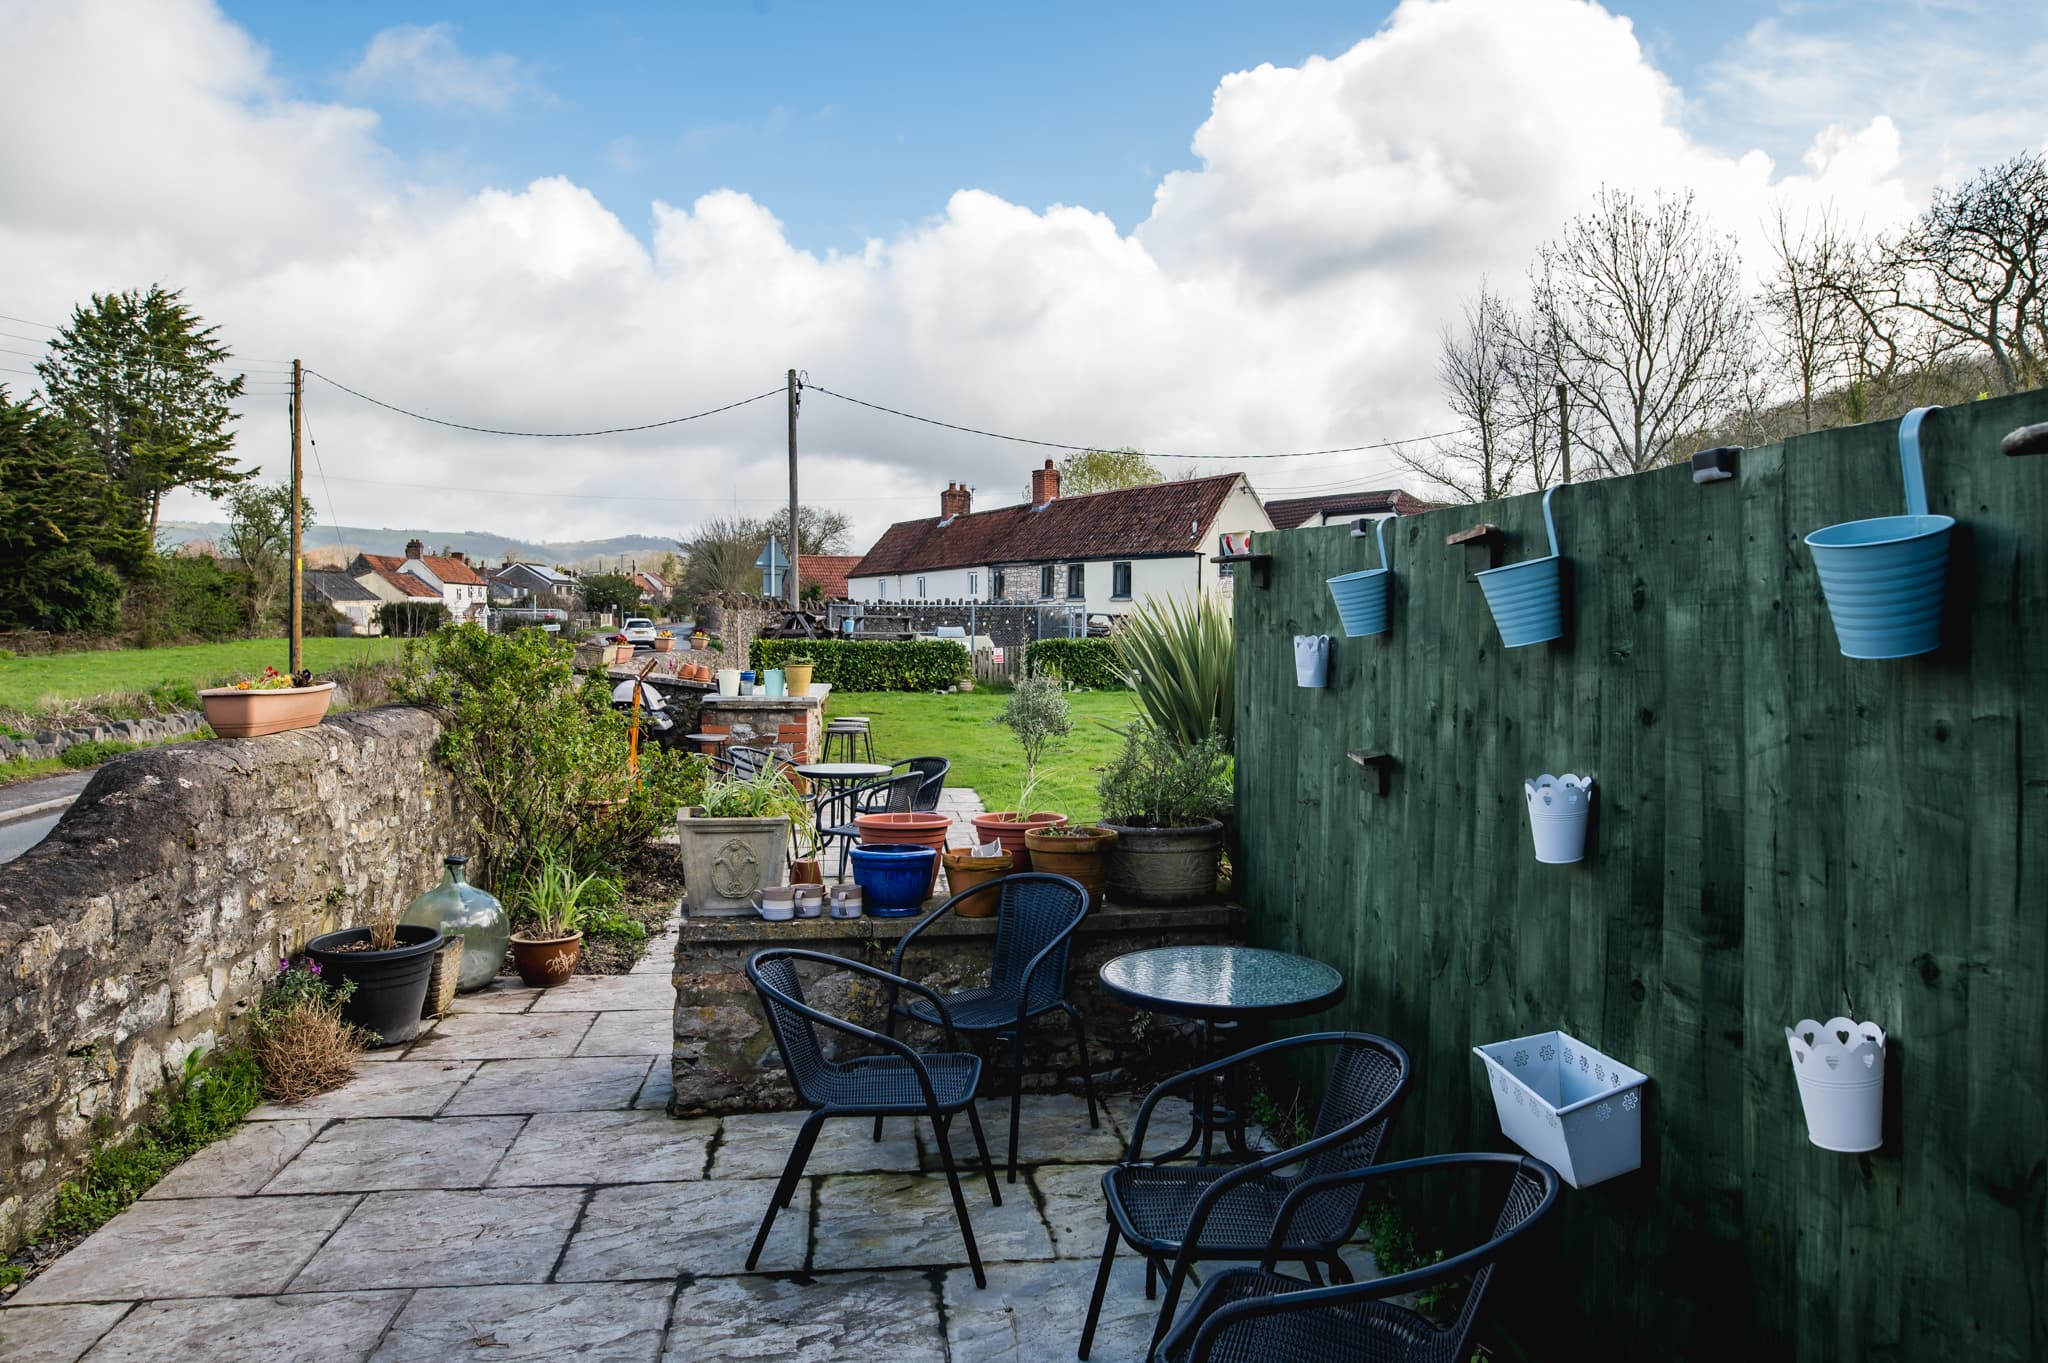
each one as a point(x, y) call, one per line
point(1091, 664)
point(871, 664)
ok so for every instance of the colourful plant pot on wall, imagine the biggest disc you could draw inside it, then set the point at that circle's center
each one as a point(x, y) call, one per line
point(234, 713)
point(1883, 578)
point(1527, 599)
point(1362, 597)
point(895, 878)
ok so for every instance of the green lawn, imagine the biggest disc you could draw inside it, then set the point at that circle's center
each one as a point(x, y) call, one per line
point(24, 682)
point(984, 754)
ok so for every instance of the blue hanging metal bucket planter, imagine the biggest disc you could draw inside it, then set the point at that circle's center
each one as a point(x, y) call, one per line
point(1883, 577)
point(1361, 597)
point(1528, 598)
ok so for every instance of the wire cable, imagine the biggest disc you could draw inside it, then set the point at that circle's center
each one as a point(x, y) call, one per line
point(540, 435)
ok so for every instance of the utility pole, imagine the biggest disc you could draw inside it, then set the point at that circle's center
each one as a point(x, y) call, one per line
point(1564, 432)
point(794, 389)
point(298, 645)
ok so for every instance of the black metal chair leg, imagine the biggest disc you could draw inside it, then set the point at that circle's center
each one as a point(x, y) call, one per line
point(959, 1200)
point(1174, 1278)
point(799, 1155)
point(1016, 1093)
point(888, 1029)
point(1087, 1070)
point(988, 1164)
point(1315, 1275)
point(1101, 1286)
point(1340, 1272)
point(1151, 1278)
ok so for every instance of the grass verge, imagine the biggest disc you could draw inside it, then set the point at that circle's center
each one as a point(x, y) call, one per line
point(26, 683)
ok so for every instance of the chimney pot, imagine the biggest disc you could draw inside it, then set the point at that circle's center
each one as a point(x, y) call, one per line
point(1045, 484)
point(415, 549)
point(956, 500)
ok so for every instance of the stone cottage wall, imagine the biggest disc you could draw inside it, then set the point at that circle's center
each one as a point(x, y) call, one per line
point(143, 925)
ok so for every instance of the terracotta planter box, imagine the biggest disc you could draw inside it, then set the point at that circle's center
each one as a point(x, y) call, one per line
point(235, 713)
point(964, 871)
point(1009, 829)
point(664, 645)
point(915, 829)
point(1079, 855)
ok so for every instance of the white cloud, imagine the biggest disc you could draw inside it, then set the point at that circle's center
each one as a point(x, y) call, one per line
point(1284, 295)
point(424, 64)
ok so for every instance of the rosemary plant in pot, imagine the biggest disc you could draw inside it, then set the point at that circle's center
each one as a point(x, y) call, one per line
point(1038, 714)
point(1160, 797)
point(389, 963)
point(550, 938)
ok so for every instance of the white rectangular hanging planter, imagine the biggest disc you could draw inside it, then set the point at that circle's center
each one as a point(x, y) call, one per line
point(1575, 1109)
point(1312, 659)
point(1840, 1066)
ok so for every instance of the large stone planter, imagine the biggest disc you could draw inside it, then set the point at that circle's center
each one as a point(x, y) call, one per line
point(1147, 866)
point(726, 861)
point(236, 713)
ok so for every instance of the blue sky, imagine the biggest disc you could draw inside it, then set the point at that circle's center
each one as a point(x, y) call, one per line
point(856, 121)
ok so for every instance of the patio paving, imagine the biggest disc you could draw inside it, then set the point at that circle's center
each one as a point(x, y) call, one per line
point(509, 1187)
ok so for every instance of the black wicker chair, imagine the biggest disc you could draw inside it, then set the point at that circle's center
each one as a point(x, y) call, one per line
point(899, 1082)
point(835, 811)
point(1034, 928)
point(934, 770)
point(1184, 1213)
point(1254, 1315)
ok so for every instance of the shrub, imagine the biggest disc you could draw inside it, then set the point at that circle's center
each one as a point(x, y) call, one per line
point(1180, 656)
point(186, 597)
point(92, 752)
point(297, 1035)
point(412, 619)
point(1092, 664)
point(870, 664)
point(541, 756)
point(1158, 782)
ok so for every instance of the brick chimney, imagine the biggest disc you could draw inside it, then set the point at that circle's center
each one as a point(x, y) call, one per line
point(956, 500)
point(1045, 484)
point(415, 549)
point(459, 556)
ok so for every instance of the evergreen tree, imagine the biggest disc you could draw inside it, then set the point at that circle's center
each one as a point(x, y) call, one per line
point(142, 376)
point(63, 531)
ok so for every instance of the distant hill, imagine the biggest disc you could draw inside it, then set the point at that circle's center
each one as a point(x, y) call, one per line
point(323, 540)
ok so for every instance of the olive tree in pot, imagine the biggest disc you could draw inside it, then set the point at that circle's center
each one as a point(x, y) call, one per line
point(388, 963)
point(1038, 714)
point(1160, 797)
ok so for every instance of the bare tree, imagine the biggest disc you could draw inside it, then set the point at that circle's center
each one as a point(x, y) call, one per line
point(1641, 308)
point(1973, 266)
point(1810, 302)
point(1473, 368)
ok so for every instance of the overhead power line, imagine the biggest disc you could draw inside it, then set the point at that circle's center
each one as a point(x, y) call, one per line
point(540, 435)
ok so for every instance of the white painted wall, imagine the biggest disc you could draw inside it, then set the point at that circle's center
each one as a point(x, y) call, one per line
point(944, 584)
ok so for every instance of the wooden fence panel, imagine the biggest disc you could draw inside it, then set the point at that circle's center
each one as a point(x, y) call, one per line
point(1780, 832)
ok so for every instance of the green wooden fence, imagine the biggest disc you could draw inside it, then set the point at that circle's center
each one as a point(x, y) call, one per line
point(1780, 832)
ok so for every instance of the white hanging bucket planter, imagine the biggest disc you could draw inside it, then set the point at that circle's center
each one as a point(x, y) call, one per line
point(1312, 659)
point(1578, 1111)
point(1361, 597)
point(1558, 809)
point(1840, 1066)
point(1527, 598)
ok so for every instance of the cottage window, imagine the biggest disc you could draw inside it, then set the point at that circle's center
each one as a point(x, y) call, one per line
point(920, 589)
point(1075, 590)
point(1120, 581)
point(995, 584)
point(1045, 580)
point(974, 584)
point(882, 589)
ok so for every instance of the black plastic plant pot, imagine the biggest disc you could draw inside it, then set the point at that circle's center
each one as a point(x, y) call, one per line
point(391, 986)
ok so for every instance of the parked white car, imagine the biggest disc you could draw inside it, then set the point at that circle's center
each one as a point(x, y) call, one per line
point(637, 630)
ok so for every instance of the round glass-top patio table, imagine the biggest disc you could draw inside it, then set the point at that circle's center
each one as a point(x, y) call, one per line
point(1220, 986)
point(843, 773)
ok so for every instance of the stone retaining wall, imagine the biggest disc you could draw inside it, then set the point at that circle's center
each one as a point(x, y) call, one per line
point(52, 742)
point(147, 919)
point(725, 1059)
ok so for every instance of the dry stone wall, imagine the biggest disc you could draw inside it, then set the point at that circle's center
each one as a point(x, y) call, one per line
point(141, 928)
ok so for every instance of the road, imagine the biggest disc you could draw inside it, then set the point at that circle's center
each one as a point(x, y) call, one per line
point(30, 809)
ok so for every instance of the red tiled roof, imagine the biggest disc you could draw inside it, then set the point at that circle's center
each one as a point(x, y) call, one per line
point(405, 582)
point(453, 571)
point(829, 571)
point(1131, 522)
point(1290, 512)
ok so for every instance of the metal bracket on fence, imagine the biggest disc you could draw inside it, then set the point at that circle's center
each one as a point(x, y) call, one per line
point(1379, 763)
point(1482, 547)
point(1715, 465)
point(1260, 564)
point(2025, 440)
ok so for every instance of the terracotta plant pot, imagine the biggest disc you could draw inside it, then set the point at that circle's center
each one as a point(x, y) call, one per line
point(964, 871)
point(914, 829)
point(798, 677)
point(235, 713)
point(1009, 828)
point(664, 645)
point(1076, 854)
point(805, 871)
point(544, 962)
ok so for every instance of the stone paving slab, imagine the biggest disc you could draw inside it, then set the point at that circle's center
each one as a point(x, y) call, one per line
point(499, 1036)
point(1052, 1127)
point(596, 993)
point(307, 1329)
point(660, 1088)
point(442, 1238)
point(1071, 1195)
point(903, 1220)
point(383, 1053)
point(239, 1165)
point(379, 1153)
point(631, 1031)
point(757, 1145)
point(54, 1334)
point(506, 994)
point(606, 1147)
point(591, 1323)
point(418, 1089)
point(557, 1085)
point(203, 1247)
point(1032, 1313)
point(660, 955)
point(825, 1318)
point(658, 1230)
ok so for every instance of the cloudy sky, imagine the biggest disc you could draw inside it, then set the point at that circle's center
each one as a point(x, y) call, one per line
point(1209, 230)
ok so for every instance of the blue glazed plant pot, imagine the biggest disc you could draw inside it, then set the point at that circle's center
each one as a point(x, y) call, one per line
point(893, 877)
point(1883, 582)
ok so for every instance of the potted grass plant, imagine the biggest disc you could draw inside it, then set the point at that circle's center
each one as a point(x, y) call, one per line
point(388, 963)
point(553, 904)
point(1039, 716)
point(1161, 797)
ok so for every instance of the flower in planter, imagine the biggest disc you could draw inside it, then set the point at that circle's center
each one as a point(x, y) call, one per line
point(271, 680)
